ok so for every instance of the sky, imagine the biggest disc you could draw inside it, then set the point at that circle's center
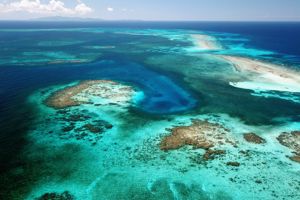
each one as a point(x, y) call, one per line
point(155, 10)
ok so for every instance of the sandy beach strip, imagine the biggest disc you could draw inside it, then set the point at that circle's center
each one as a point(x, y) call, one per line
point(264, 76)
point(205, 42)
point(259, 75)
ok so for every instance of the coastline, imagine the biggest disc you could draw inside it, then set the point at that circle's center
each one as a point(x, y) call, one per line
point(264, 76)
point(260, 75)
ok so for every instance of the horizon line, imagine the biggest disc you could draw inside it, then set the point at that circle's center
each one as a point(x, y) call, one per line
point(136, 20)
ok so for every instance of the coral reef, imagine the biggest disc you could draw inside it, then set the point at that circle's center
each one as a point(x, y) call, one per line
point(201, 134)
point(87, 92)
point(291, 141)
point(253, 138)
point(56, 196)
point(211, 154)
point(234, 164)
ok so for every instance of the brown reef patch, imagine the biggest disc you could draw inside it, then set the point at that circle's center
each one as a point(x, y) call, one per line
point(81, 93)
point(92, 128)
point(200, 135)
point(295, 158)
point(234, 164)
point(56, 196)
point(63, 98)
point(291, 141)
point(211, 154)
point(253, 138)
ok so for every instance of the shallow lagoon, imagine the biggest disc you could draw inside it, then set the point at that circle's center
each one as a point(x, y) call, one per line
point(179, 82)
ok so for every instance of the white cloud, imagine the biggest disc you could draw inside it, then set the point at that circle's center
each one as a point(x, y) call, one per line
point(82, 9)
point(110, 9)
point(53, 7)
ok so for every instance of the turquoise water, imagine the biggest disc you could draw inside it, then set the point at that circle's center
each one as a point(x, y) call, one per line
point(45, 150)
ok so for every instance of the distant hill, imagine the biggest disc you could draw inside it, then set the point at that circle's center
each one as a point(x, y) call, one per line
point(64, 19)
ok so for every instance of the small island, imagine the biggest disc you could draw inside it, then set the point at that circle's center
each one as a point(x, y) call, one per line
point(200, 135)
point(91, 92)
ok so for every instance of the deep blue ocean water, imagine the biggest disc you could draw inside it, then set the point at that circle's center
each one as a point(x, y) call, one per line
point(163, 93)
point(281, 37)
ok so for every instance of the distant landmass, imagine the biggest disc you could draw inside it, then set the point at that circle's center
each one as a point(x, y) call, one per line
point(59, 18)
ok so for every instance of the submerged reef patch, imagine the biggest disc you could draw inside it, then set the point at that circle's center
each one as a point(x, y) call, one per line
point(291, 141)
point(217, 150)
point(77, 124)
point(56, 196)
point(253, 138)
point(86, 110)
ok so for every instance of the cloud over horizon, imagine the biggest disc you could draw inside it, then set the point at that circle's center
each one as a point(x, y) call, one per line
point(53, 7)
point(110, 9)
point(154, 10)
